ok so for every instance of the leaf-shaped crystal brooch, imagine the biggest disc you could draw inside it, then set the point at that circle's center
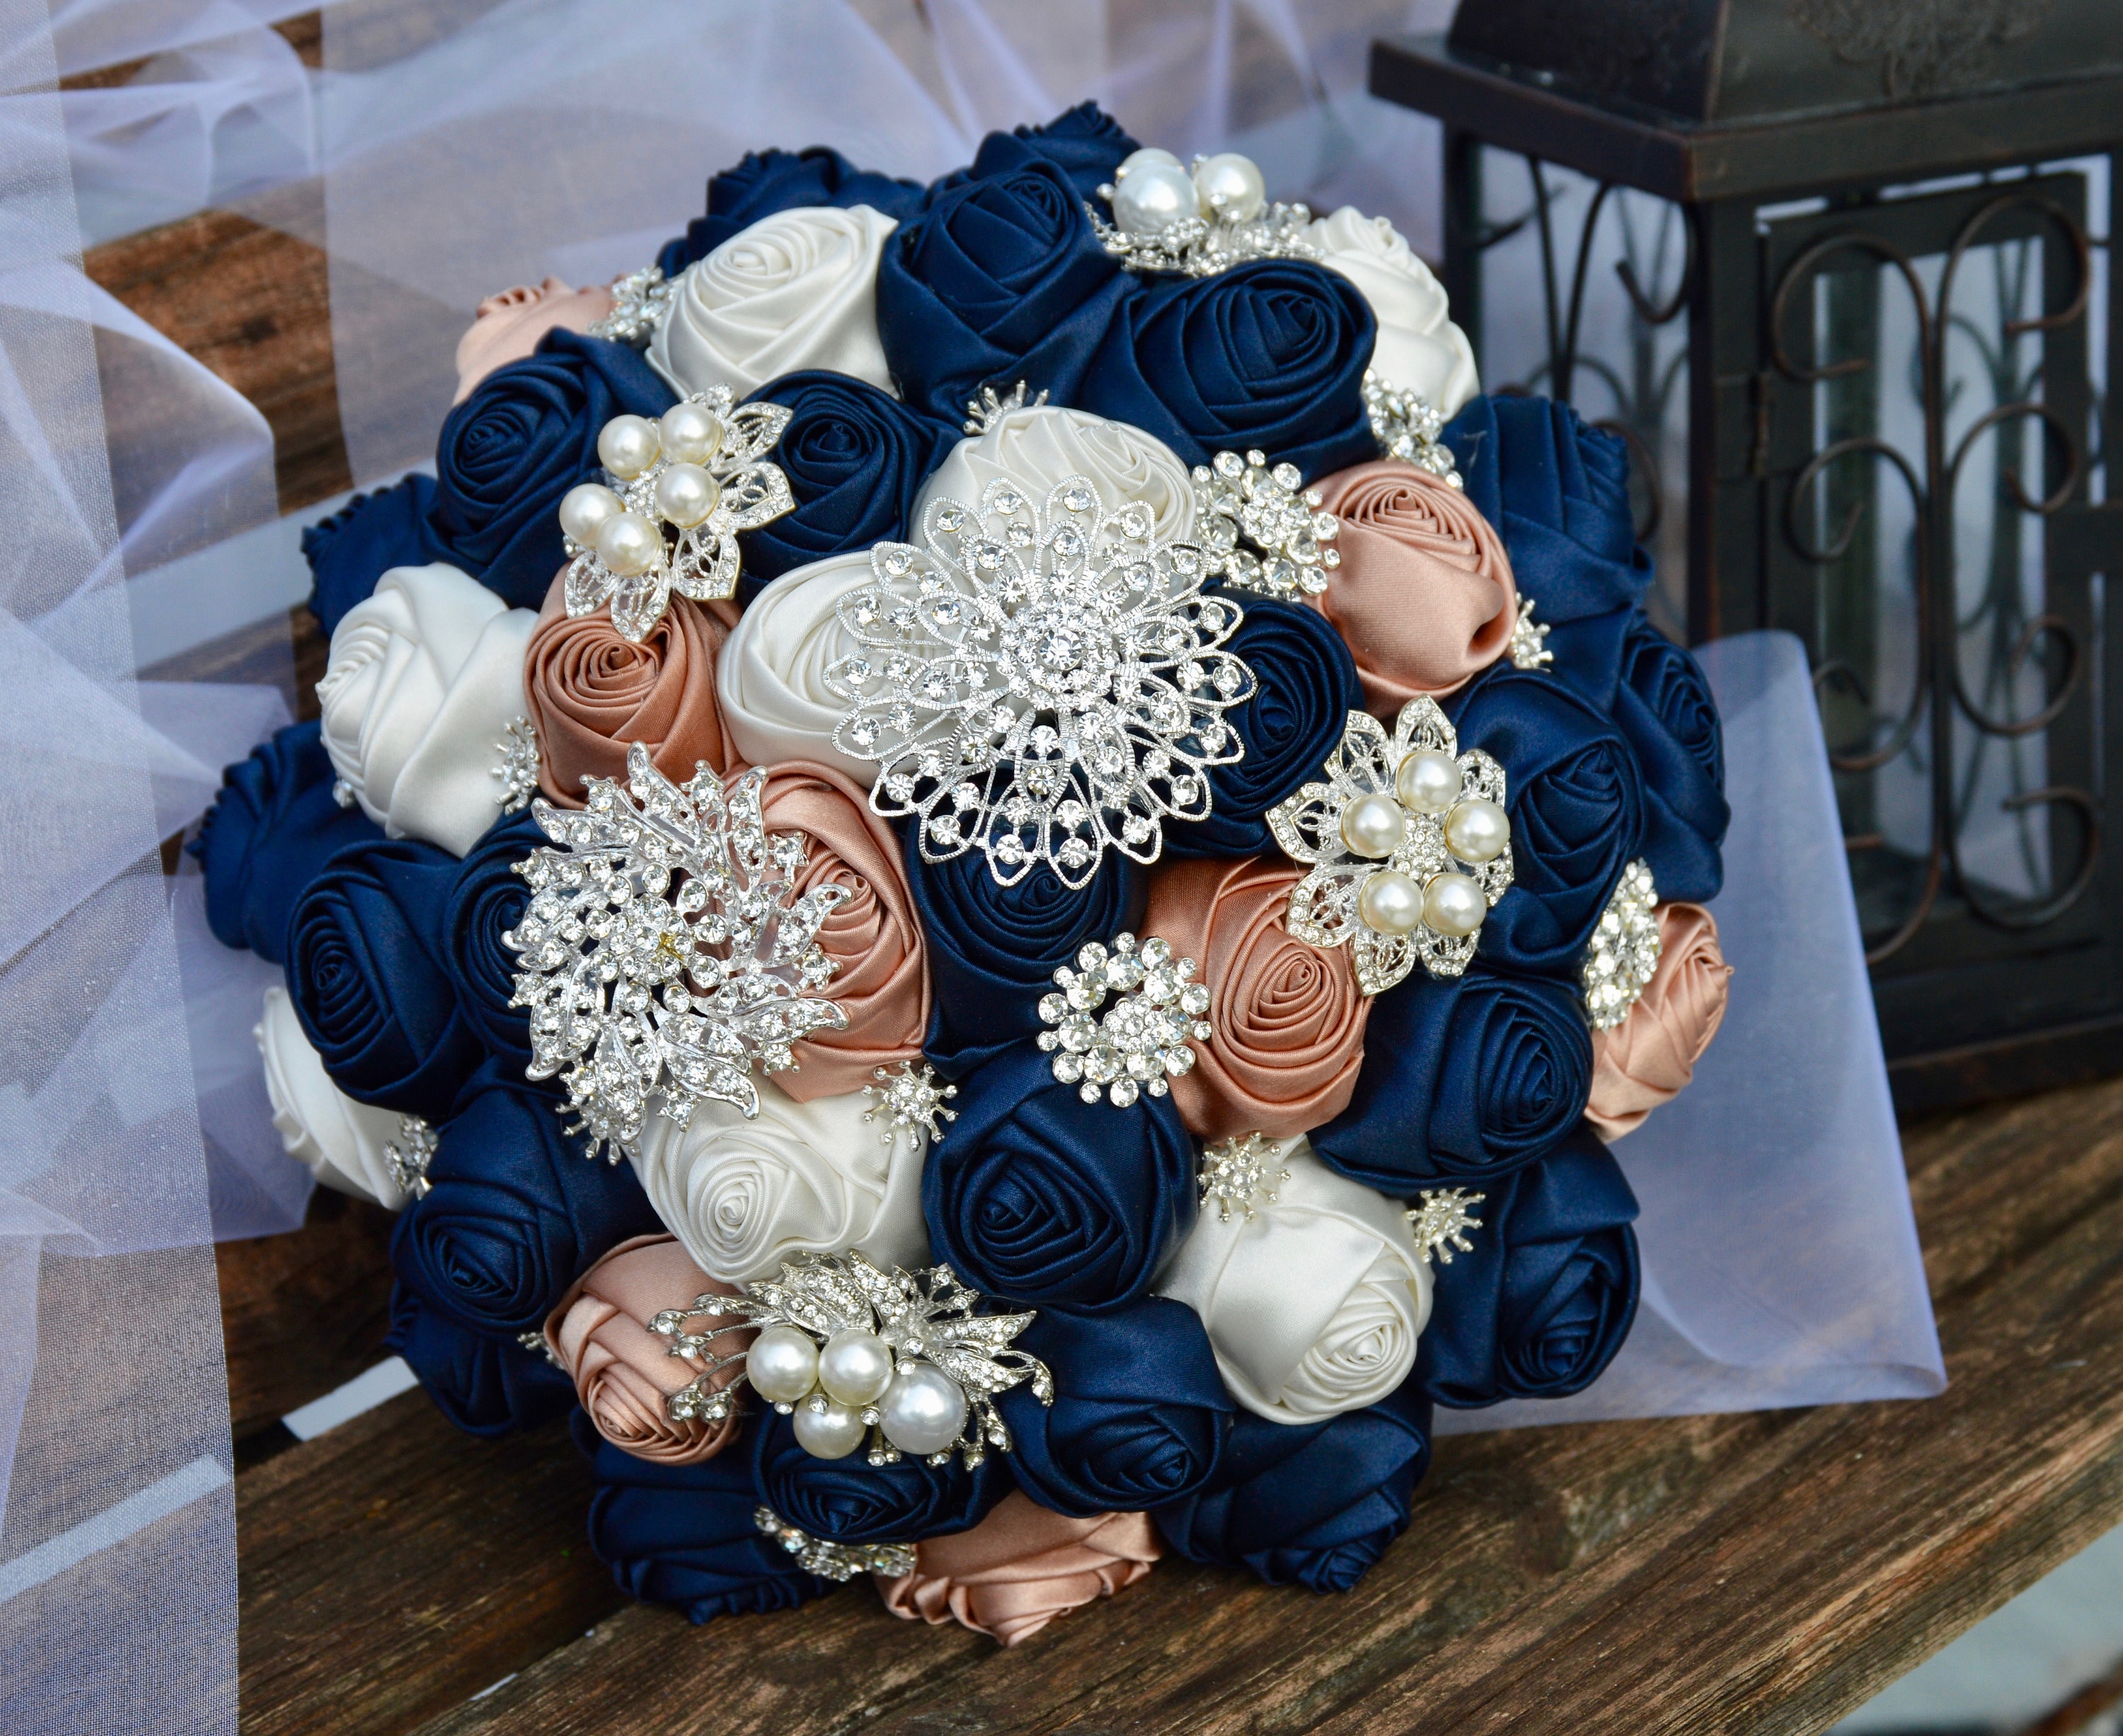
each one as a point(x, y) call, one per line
point(858, 1353)
point(681, 488)
point(1293, 541)
point(665, 951)
point(1410, 845)
point(1042, 681)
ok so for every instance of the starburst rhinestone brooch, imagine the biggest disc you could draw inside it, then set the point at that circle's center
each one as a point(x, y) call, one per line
point(1197, 221)
point(1292, 540)
point(1040, 682)
point(840, 1562)
point(681, 488)
point(1625, 949)
point(1528, 646)
point(665, 949)
point(1240, 1172)
point(1410, 847)
point(854, 1352)
point(1406, 427)
point(1440, 1220)
point(909, 1101)
point(1139, 1041)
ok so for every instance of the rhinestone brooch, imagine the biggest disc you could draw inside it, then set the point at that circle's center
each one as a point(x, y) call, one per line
point(1235, 1172)
point(836, 1561)
point(1624, 949)
point(407, 1158)
point(1406, 426)
point(1141, 1039)
point(1292, 540)
point(640, 302)
point(518, 773)
point(1196, 221)
point(1528, 646)
point(911, 1101)
point(1440, 1220)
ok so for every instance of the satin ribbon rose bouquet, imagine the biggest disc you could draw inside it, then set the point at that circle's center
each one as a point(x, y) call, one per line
point(983, 872)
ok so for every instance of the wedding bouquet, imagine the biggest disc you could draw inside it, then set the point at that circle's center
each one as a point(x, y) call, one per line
point(981, 871)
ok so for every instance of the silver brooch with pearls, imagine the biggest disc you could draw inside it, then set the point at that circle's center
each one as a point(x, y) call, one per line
point(1138, 1042)
point(640, 302)
point(1241, 1172)
point(1440, 1220)
point(911, 1101)
point(854, 1352)
point(407, 1158)
point(1196, 221)
point(665, 951)
point(1410, 845)
point(1245, 500)
point(1406, 427)
point(681, 489)
point(1625, 949)
point(840, 1562)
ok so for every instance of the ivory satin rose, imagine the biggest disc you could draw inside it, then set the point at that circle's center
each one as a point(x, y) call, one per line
point(423, 679)
point(509, 326)
point(1035, 448)
point(1419, 349)
point(1313, 1304)
point(775, 705)
point(1642, 1062)
point(339, 1141)
point(796, 290)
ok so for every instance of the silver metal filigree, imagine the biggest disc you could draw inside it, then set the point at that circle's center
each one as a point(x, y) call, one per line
point(837, 1561)
point(407, 1158)
point(1198, 246)
point(1625, 949)
point(1235, 1172)
point(665, 951)
point(1442, 1220)
point(1528, 646)
point(926, 1317)
point(1406, 426)
point(983, 412)
point(1326, 905)
point(911, 1100)
point(1242, 499)
point(1041, 683)
point(640, 302)
point(518, 770)
point(1141, 1039)
point(699, 561)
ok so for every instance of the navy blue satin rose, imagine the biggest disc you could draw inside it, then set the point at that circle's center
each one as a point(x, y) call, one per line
point(1139, 1416)
point(1658, 697)
point(851, 1500)
point(1313, 1505)
point(685, 1534)
point(1539, 1307)
point(515, 1213)
point(1087, 144)
point(993, 950)
point(1464, 1079)
point(1575, 799)
point(524, 437)
point(1000, 279)
point(856, 458)
point(268, 834)
point(768, 181)
point(349, 551)
point(365, 949)
point(485, 901)
point(1269, 354)
point(1557, 489)
point(484, 1384)
point(1035, 1195)
point(1307, 688)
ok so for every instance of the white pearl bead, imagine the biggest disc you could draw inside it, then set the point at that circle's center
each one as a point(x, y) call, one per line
point(782, 1364)
point(691, 434)
point(585, 506)
point(1453, 904)
point(1390, 903)
point(1429, 782)
point(686, 494)
point(1476, 830)
point(924, 1409)
point(827, 1430)
point(1373, 826)
point(1154, 198)
point(1231, 185)
point(856, 1367)
point(1148, 154)
point(628, 445)
point(628, 544)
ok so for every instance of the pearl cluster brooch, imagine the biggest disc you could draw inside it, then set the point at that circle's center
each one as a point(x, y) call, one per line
point(1198, 220)
point(1237, 498)
point(1142, 1037)
point(1624, 950)
point(1410, 845)
point(681, 488)
point(853, 1352)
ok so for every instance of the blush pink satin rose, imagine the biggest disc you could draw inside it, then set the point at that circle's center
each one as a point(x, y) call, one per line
point(874, 936)
point(510, 325)
point(623, 1372)
point(1641, 1062)
point(1287, 1019)
point(1021, 1567)
point(1424, 597)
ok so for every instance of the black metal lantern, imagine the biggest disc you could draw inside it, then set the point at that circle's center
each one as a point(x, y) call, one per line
point(1898, 420)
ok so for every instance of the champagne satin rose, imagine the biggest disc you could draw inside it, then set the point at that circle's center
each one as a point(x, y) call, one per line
point(1642, 1062)
point(509, 325)
point(873, 936)
point(591, 691)
point(623, 1372)
point(1287, 1019)
point(1035, 448)
point(796, 290)
point(1419, 349)
point(1423, 598)
point(1314, 1304)
point(1019, 1567)
point(772, 678)
point(745, 1194)
point(423, 679)
point(337, 1140)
